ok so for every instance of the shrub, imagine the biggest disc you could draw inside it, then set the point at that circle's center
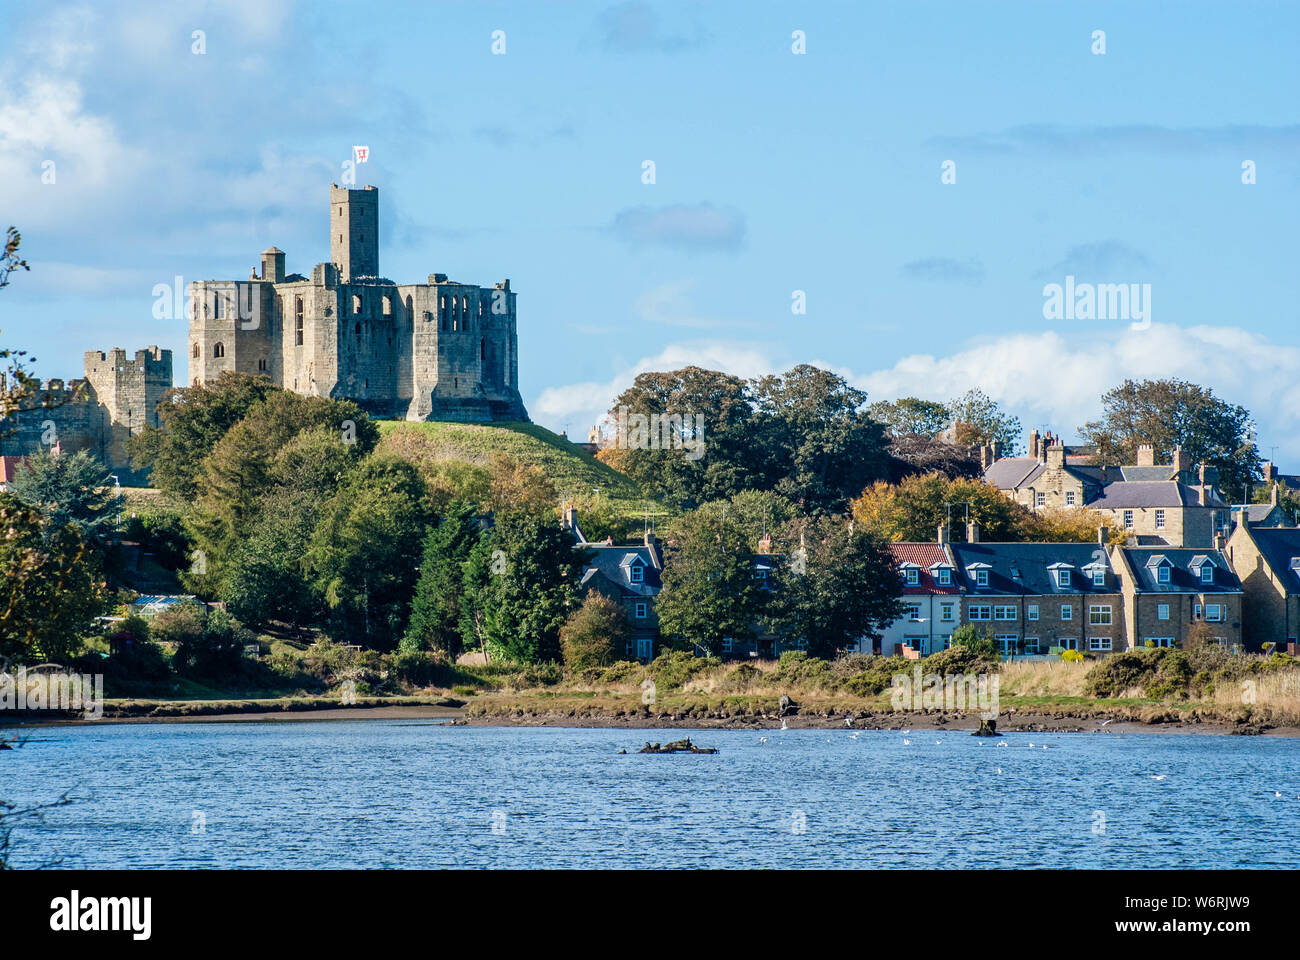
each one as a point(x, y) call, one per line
point(213, 651)
point(877, 676)
point(1071, 656)
point(674, 668)
point(796, 668)
point(1120, 671)
point(977, 639)
point(594, 633)
point(960, 658)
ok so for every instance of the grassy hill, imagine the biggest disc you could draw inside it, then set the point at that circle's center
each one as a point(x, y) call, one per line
point(569, 467)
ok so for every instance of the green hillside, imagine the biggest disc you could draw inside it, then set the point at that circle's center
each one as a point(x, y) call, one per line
point(569, 467)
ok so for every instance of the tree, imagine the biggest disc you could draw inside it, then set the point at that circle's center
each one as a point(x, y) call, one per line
point(917, 453)
point(724, 405)
point(1174, 413)
point(977, 419)
point(838, 584)
point(69, 488)
point(50, 590)
point(436, 613)
point(520, 585)
point(710, 591)
point(520, 488)
point(193, 420)
point(914, 508)
point(823, 445)
point(365, 549)
point(909, 416)
point(209, 646)
point(595, 634)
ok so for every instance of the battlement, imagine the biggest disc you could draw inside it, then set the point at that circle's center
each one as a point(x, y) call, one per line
point(152, 361)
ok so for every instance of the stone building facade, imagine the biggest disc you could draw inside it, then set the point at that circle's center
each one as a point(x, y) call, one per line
point(118, 396)
point(1267, 561)
point(439, 350)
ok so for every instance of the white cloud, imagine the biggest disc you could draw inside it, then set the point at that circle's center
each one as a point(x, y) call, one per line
point(1047, 379)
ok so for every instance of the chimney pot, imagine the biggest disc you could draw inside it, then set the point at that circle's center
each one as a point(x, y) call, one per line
point(973, 532)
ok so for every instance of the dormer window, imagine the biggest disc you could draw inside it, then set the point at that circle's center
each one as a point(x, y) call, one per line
point(1207, 573)
point(945, 576)
point(1162, 574)
point(1063, 578)
point(636, 573)
point(913, 576)
point(982, 578)
point(1099, 577)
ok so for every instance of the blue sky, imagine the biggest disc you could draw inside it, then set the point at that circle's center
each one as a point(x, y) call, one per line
point(775, 172)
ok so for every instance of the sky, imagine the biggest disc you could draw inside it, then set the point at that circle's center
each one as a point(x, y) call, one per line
point(779, 176)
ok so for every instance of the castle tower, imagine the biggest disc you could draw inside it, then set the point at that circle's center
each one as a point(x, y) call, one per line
point(127, 393)
point(354, 231)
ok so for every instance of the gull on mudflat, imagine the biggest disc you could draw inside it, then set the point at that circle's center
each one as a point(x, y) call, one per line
point(783, 725)
point(848, 721)
point(1104, 722)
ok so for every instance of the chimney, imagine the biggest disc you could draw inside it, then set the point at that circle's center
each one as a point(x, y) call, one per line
point(1146, 455)
point(1033, 443)
point(1182, 462)
point(764, 543)
point(1103, 535)
point(973, 532)
point(943, 534)
point(1273, 497)
point(1270, 471)
point(1056, 455)
point(1218, 541)
point(653, 544)
point(569, 518)
point(986, 456)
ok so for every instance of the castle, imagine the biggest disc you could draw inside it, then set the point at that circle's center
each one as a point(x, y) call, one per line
point(439, 350)
point(117, 398)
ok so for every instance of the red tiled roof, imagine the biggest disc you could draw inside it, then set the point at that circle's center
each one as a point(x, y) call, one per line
point(924, 555)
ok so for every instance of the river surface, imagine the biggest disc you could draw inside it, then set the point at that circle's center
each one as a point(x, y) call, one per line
point(401, 793)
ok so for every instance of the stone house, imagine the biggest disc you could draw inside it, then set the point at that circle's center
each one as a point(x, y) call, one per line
point(931, 598)
point(628, 574)
point(1170, 503)
point(1267, 562)
point(1035, 598)
point(1170, 592)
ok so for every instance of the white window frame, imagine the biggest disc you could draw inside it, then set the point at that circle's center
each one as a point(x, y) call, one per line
point(1100, 643)
point(1067, 611)
point(981, 578)
point(1099, 577)
point(979, 608)
point(1128, 519)
point(1063, 578)
point(1098, 610)
point(1004, 612)
point(912, 576)
point(1031, 612)
point(947, 610)
point(945, 576)
point(1006, 642)
point(1207, 573)
point(1069, 498)
point(1162, 574)
point(1160, 519)
point(1162, 611)
point(1217, 610)
point(636, 573)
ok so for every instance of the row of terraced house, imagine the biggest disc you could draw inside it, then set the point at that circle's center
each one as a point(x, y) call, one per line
point(1189, 566)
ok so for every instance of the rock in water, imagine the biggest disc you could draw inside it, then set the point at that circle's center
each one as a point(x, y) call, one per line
point(987, 728)
point(677, 746)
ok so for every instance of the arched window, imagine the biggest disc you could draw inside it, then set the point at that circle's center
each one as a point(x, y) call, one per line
point(261, 363)
point(195, 352)
point(219, 349)
point(358, 329)
point(356, 303)
point(482, 351)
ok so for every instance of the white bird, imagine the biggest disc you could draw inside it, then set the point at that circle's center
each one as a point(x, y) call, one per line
point(907, 743)
point(999, 769)
point(1161, 777)
point(783, 726)
point(1277, 793)
point(856, 735)
point(762, 739)
point(1104, 722)
point(907, 731)
point(848, 721)
point(1044, 746)
point(1002, 743)
point(1031, 744)
point(937, 742)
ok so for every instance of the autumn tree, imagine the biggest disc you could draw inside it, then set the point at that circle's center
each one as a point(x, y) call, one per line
point(910, 416)
point(913, 509)
point(595, 634)
point(978, 419)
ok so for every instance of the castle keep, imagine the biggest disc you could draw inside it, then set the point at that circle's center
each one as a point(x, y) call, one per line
point(439, 350)
point(118, 397)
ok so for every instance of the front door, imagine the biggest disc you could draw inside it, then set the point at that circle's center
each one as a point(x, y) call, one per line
point(644, 647)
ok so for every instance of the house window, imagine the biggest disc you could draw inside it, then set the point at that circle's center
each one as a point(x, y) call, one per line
point(945, 576)
point(640, 611)
point(261, 364)
point(1160, 519)
point(1128, 519)
point(1006, 643)
point(1067, 611)
point(1099, 643)
point(979, 611)
point(1068, 643)
point(1207, 573)
point(1162, 611)
point(1099, 577)
point(1031, 645)
point(1062, 578)
point(1196, 611)
point(636, 573)
point(1069, 498)
point(218, 349)
point(1099, 614)
point(1160, 641)
point(726, 644)
point(1214, 612)
point(913, 576)
point(1004, 613)
point(1162, 574)
point(982, 578)
point(1040, 499)
point(1031, 611)
point(914, 612)
point(946, 611)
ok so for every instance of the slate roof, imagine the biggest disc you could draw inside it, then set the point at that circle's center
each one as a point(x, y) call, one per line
point(1010, 472)
point(1146, 473)
point(1183, 577)
point(1026, 569)
point(1280, 545)
point(926, 556)
point(1132, 494)
point(1267, 514)
point(612, 563)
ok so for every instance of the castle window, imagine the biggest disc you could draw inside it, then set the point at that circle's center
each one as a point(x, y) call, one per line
point(356, 303)
point(219, 349)
point(482, 351)
point(297, 333)
point(195, 352)
point(261, 364)
point(216, 307)
point(358, 329)
point(340, 214)
point(388, 306)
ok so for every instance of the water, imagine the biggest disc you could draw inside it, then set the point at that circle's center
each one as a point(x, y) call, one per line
point(378, 793)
